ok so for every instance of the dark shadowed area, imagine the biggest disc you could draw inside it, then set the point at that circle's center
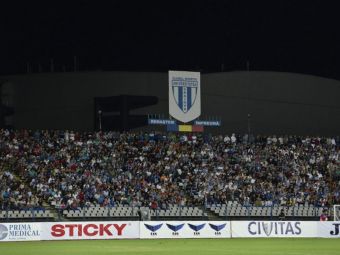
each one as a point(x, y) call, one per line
point(207, 36)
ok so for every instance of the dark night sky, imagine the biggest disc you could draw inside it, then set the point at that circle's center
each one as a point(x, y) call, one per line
point(293, 36)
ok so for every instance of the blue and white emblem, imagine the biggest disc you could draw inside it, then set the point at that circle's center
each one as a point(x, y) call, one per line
point(184, 95)
point(184, 91)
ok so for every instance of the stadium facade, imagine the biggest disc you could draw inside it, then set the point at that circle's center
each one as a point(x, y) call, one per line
point(266, 102)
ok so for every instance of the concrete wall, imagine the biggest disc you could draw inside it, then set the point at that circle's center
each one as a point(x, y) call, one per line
point(278, 102)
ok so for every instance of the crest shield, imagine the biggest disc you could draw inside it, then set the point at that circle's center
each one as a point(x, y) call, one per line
point(267, 228)
point(184, 95)
point(184, 92)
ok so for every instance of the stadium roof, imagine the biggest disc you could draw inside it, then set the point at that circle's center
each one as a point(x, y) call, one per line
point(210, 36)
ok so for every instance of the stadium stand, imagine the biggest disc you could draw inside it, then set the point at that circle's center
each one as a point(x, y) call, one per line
point(237, 210)
point(108, 174)
point(123, 212)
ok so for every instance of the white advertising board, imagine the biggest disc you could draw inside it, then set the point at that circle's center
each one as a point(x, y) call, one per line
point(165, 229)
point(90, 230)
point(274, 229)
point(184, 229)
point(69, 230)
point(329, 229)
point(20, 232)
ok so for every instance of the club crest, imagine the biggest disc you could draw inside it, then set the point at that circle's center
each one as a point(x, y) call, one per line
point(184, 91)
point(184, 95)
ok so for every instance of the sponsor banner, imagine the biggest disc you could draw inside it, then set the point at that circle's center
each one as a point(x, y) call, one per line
point(208, 123)
point(274, 229)
point(328, 229)
point(184, 229)
point(161, 122)
point(20, 232)
point(165, 229)
point(91, 230)
point(184, 95)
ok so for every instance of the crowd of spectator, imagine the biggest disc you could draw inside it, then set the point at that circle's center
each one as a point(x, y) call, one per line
point(71, 169)
point(15, 194)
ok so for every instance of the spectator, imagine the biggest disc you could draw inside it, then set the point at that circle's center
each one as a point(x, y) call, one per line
point(70, 169)
point(324, 215)
point(282, 215)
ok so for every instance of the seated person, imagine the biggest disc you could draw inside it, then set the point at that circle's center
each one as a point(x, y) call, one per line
point(282, 215)
point(324, 215)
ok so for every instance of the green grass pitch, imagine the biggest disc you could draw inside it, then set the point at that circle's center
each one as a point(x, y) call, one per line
point(175, 247)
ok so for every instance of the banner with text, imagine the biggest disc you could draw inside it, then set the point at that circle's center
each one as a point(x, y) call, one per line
point(20, 231)
point(165, 229)
point(274, 229)
point(68, 230)
point(184, 229)
point(90, 230)
point(329, 229)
